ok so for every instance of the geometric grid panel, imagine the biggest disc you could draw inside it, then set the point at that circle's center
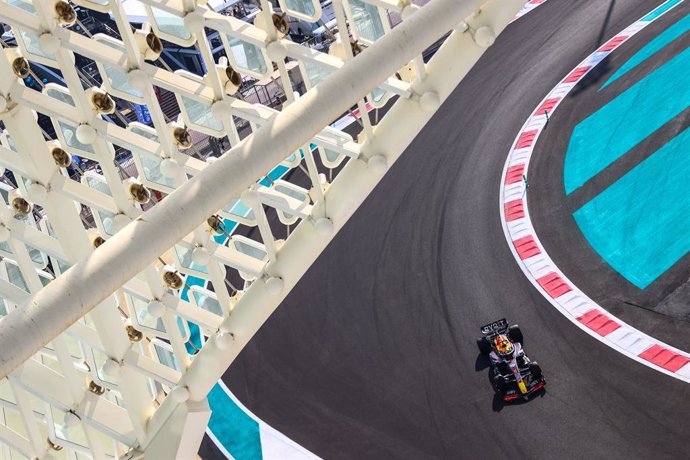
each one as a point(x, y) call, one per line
point(100, 126)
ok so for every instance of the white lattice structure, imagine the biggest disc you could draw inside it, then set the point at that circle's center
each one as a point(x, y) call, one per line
point(95, 361)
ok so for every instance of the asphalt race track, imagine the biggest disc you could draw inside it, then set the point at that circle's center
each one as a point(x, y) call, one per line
point(373, 355)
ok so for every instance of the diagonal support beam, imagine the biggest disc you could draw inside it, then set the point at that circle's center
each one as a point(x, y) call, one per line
point(71, 296)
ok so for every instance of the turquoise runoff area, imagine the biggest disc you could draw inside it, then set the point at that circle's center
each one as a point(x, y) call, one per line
point(671, 34)
point(238, 432)
point(631, 117)
point(233, 428)
point(640, 225)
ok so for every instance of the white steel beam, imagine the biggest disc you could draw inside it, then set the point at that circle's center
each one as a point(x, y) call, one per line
point(133, 248)
point(452, 62)
point(112, 382)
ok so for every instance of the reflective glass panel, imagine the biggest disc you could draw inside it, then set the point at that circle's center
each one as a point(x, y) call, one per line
point(367, 20)
point(31, 43)
point(166, 357)
point(305, 7)
point(152, 170)
point(200, 114)
point(247, 56)
point(69, 132)
point(207, 302)
point(170, 24)
point(184, 254)
point(23, 4)
point(117, 77)
point(316, 72)
point(15, 276)
point(251, 251)
point(60, 96)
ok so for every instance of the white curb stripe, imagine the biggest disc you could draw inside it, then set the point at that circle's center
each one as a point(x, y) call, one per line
point(536, 264)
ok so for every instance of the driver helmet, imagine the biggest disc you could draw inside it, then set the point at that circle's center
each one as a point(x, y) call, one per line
point(504, 346)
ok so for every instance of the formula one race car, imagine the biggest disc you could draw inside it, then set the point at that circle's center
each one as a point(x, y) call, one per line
point(512, 373)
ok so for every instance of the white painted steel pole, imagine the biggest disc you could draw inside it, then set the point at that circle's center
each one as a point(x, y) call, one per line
point(392, 136)
point(402, 123)
point(24, 331)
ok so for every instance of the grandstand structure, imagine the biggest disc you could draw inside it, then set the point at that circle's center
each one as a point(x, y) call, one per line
point(125, 295)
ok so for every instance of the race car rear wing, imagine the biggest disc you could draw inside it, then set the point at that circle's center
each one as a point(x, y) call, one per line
point(495, 328)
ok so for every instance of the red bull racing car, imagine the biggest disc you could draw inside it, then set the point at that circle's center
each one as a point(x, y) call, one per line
point(512, 373)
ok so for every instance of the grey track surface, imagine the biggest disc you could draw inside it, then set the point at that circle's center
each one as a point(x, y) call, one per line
point(372, 355)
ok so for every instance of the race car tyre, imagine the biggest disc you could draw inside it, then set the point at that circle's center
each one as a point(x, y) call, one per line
point(483, 345)
point(535, 369)
point(501, 385)
point(515, 334)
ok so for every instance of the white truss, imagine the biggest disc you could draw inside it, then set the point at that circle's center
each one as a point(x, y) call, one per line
point(94, 360)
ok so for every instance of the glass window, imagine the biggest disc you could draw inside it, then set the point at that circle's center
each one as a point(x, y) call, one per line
point(237, 208)
point(26, 5)
point(305, 7)
point(64, 266)
point(332, 155)
point(100, 185)
point(15, 276)
point(200, 113)
point(143, 317)
point(70, 135)
point(316, 72)
point(60, 96)
point(152, 170)
point(247, 56)
point(166, 357)
point(184, 254)
point(250, 250)
point(144, 132)
point(74, 434)
point(207, 302)
point(31, 43)
point(6, 393)
point(11, 143)
point(5, 247)
point(36, 255)
point(377, 94)
point(291, 192)
point(367, 20)
point(107, 219)
point(170, 24)
point(117, 77)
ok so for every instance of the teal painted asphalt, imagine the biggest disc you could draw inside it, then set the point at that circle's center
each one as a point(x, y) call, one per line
point(233, 428)
point(631, 117)
point(664, 39)
point(640, 225)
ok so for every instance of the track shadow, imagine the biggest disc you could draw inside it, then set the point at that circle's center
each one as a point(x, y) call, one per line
point(497, 404)
point(605, 24)
point(481, 363)
point(595, 75)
